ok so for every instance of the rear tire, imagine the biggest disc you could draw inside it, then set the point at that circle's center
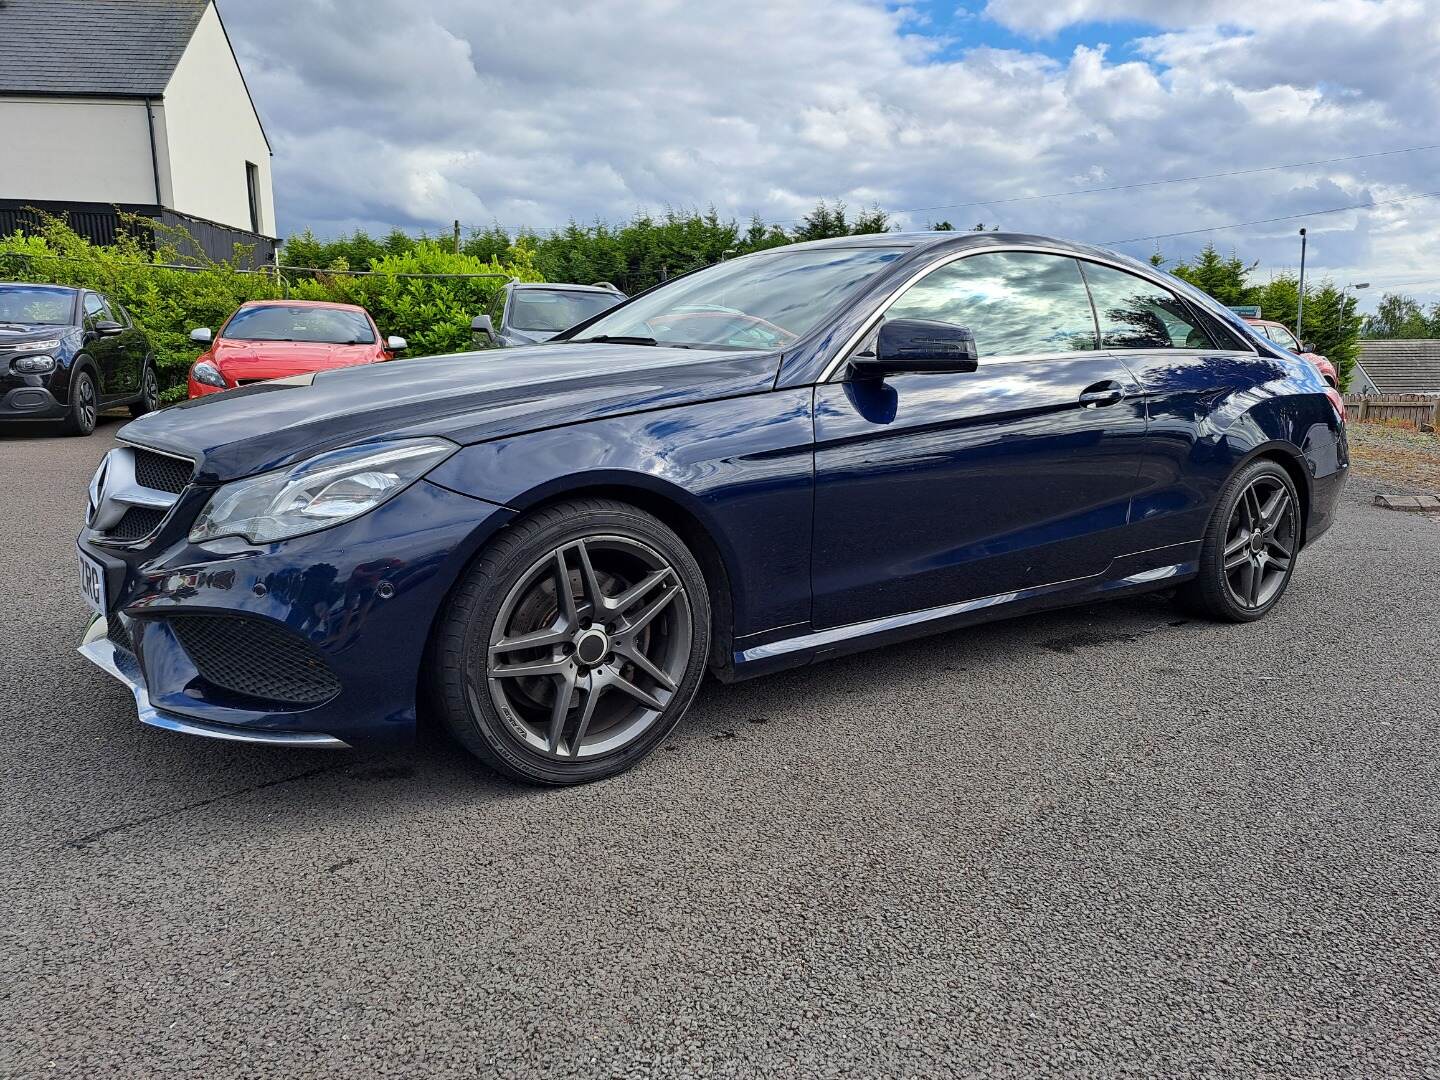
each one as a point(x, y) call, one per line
point(84, 404)
point(149, 393)
point(1250, 546)
point(564, 687)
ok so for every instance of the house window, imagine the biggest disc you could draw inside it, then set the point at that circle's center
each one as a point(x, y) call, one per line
point(252, 184)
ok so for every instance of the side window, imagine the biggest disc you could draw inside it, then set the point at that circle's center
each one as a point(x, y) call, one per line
point(1136, 314)
point(96, 310)
point(1015, 303)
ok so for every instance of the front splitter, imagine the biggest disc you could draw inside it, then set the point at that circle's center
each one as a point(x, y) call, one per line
point(96, 647)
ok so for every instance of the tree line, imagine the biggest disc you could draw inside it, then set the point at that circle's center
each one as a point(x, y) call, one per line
point(633, 256)
point(434, 312)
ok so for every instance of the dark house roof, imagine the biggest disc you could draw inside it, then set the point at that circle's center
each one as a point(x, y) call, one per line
point(1402, 366)
point(110, 48)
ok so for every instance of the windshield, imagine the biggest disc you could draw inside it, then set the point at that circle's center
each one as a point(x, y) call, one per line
point(762, 301)
point(1283, 336)
point(36, 305)
point(321, 325)
point(550, 311)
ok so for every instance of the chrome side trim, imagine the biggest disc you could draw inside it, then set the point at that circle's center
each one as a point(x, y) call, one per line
point(852, 631)
point(843, 353)
point(96, 648)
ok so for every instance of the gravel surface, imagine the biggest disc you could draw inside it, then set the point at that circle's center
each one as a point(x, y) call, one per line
point(1106, 842)
point(1402, 460)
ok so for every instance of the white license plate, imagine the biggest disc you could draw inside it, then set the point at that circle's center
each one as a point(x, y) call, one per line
point(92, 582)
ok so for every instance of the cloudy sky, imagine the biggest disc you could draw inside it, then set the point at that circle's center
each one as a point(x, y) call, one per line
point(391, 112)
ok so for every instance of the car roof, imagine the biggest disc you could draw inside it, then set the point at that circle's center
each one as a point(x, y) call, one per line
point(38, 285)
point(304, 303)
point(560, 286)
point(919, 241)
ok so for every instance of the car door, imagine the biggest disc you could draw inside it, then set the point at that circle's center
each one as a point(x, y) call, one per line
point(939, 488)
point(134, 347)
point(107, 350)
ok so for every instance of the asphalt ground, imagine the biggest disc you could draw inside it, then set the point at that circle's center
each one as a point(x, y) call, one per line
point(1112, 841)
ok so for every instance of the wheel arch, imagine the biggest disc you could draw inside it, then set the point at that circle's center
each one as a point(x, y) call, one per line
point(1289, 458)
point(82, 362)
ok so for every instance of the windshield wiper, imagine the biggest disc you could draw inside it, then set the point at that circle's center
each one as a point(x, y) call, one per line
point(615, 339)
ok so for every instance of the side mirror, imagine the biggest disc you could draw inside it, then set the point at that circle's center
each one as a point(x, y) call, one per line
point(918, 345)
point(1305, 346)
point(481, 326)
point(202, 336)
point(396, 344)
point(107, 328)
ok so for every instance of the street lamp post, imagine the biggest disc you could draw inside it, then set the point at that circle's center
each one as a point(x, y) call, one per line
point(1300, 307)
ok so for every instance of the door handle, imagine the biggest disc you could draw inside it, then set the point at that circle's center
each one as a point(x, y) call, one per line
point(1102, 393)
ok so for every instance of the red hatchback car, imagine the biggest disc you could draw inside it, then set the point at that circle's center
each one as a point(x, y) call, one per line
point(1281, 335)
point(271, 339)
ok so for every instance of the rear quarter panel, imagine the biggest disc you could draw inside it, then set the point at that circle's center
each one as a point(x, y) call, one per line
point(1209, 415)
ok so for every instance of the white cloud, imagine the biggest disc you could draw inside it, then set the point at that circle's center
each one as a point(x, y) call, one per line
point(384, 112)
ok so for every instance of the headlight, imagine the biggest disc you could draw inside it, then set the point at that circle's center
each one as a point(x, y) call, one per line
point(207, 373)
point(35, 346)
point(318, 493)
point(34, 365)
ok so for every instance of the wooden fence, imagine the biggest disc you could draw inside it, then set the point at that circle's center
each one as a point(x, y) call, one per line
point(1422, 410)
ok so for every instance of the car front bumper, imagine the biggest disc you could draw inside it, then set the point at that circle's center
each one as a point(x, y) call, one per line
point(353, 605)
point(96, 647)
point(28, 397)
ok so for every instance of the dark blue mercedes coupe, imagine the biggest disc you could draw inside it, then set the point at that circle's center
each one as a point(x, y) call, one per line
point(774, 460)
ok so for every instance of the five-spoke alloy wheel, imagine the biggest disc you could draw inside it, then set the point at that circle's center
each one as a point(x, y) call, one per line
point(1250, 546)
point(574, 644)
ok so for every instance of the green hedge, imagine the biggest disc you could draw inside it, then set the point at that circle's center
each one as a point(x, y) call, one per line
point(433, 314)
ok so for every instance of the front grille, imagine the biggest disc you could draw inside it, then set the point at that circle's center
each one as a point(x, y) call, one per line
point(161, 472)
point(255, 658)
point(138, 522)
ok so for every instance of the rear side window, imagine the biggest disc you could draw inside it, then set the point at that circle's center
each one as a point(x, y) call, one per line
point(1138, 314)
point(1015, 303)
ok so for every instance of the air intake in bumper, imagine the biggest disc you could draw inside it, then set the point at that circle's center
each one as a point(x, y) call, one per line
point(255, 658)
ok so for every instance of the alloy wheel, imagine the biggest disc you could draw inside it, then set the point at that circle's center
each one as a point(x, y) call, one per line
point(85, 403)
point(150, 391)
point(1260, 542)
point(589, 647)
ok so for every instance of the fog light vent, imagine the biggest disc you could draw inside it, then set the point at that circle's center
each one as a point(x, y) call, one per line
point(255, 658)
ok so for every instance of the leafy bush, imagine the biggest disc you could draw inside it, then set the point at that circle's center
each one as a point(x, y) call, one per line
point(1332, 324)
point(432, 313)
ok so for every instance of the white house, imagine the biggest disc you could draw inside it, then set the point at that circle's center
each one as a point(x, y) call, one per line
point(138, 105)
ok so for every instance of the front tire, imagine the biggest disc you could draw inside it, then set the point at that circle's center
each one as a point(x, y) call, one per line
point(573, 644)
point(149, 393)
point(1250, 546)
point(84, 404)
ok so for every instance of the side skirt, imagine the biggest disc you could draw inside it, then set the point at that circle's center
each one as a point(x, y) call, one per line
point(871, 633)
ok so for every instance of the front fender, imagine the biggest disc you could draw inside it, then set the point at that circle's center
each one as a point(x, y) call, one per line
point(741, 468)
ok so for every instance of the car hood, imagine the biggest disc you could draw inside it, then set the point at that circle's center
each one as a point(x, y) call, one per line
point(11, 334)
point(465, 397)
point(275, 359)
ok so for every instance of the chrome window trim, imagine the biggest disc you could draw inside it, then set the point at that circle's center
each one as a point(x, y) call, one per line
point(843, 354)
